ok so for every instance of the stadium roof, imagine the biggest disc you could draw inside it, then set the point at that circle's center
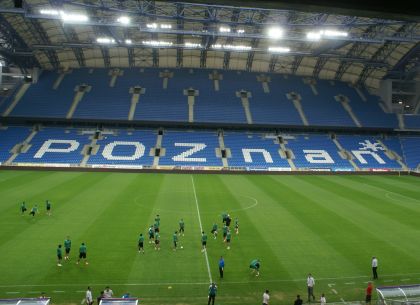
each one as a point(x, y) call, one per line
point(118, 33)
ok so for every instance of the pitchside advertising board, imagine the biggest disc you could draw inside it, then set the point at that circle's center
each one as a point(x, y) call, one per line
point(367, 156)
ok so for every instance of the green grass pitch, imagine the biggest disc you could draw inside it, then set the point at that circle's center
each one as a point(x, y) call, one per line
point(330, 226)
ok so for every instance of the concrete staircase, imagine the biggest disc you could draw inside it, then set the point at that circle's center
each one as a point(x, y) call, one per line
point(19, 94)
point(401, 123)
point(393, 155)
point(346, 105)
point(245, 96)
point(135, 92)
point(90, 149)
point(158, 151)
point(296, 98)
point(191, 94)
point(22, 147)
point(80, 92)
point(286, 153)
point(114, 73)
point(344, 154)
point(222, 151)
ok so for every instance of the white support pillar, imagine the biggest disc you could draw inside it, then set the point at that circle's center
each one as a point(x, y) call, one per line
point(295, 98)
point(216, 77)
point(166, 75)
point(80, 92)
point(191, 94)
point(245, 96)
point(264, 80)
point(136, 92)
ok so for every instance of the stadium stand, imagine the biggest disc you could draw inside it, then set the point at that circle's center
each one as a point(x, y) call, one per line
point(368, 153)
point(316, 150)
point(201, 95)
point(253, 150)
point(123, 148)
point(411, 148)
point(191, 148)
point(187, 148)
point(412, 121)
point(9, 137)
point(55, 145)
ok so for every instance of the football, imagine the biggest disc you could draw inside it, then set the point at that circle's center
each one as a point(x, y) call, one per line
point(182, 247)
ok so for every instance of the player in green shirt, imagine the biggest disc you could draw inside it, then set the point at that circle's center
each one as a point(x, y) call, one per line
point(82, 254)
point(181, 227)
point(214, 230)
point(156, 227)
point(203, 241)
point(59, 256)
point(151, 235)
point(67, 247)
point(236, 225)
point(224, 216)
point(228, 236)
point(34, 210)
point(48, 207)
point(225, 229)
point(157, 241)
point(141, 243)
point(255, 266)
point(23, 208)
point(175, 239)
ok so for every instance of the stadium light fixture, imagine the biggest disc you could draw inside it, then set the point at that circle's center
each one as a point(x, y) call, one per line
point(152, 25)
point(333, 33)
point(232, 47)
point(157, 43)
point(315, 36)
point(192, 45)
point(105, 40)
point(128, 41)
point(124, 20)
point(224, 29)
point(73, 17)
point(278, 50)
point(240, 31)
point(165, 26)
point(49, 12)
point(275, 33)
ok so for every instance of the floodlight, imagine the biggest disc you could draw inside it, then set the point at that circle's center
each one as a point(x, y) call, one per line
point(165, 26)
point(124, 20)
point(223, 29)
point(73, 17)
point(105, 40)
point(152, 25)
point(157, 43)
point(313, 35)
point(333, 33)
point(278, 49)
point(216, 46)
point(49, 12)
point(275, 32)
point(192, 45)
point(128, 41)
point(240, 31)
point(237, 47)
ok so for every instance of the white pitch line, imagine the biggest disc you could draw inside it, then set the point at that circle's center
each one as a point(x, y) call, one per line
point(58, 291)
point(82, 301)
point(334, 291)
point(387, 281)
point(350, 283)
point(330, 285)
point(12, 292)
point(201, 228)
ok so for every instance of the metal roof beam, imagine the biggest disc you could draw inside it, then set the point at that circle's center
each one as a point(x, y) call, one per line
point(179, 37)
point(167, 10)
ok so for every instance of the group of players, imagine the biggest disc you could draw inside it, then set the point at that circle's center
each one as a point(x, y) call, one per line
point(154, 233)
point(34, 209)
point(154, 237)
point(67, 248)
